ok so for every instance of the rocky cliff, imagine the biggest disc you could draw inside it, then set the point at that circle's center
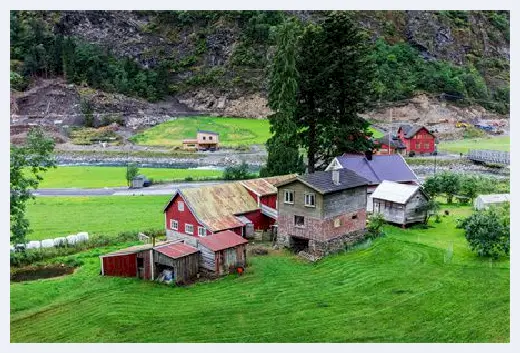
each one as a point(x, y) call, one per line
point(217, 60)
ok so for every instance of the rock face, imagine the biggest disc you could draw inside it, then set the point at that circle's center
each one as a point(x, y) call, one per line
point(248, 106)
point(212, 43)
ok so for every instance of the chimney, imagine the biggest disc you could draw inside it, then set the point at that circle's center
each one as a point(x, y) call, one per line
point(335, 176)
point(368, 154)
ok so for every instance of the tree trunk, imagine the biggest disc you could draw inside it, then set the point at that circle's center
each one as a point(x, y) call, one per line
point(311, 152)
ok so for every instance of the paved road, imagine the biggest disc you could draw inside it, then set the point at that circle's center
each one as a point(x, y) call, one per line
point(166, 189)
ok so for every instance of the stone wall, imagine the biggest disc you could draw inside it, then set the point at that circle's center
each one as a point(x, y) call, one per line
point(321, 232)
point(324, 248)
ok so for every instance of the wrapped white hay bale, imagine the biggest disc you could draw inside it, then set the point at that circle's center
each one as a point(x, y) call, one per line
point(47, 243)
point(60, 241)
point(72, 239)
point(82, 236)
point(11, 248)
point(34, 244)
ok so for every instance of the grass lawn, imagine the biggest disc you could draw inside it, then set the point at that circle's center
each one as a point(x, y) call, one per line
point(233, 131)
point(98, 177)
point(375, 133)
point(501, 143)
point(51, 217)
point(405, 287)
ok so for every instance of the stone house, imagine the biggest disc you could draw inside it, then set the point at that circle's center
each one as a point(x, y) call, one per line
point(320, 212)
point(401, 204)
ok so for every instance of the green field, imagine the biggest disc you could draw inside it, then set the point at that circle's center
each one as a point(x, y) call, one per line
point(98, 177)
point(414, 285)
point(233, 132)
point(501, 143)
point(375, 133)
point(51, 217)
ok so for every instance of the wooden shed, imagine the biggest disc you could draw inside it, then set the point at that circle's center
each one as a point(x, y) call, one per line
point(148, 262)
point(400, 203)
point(181, 259)
point(222, 253)
point(129, 262)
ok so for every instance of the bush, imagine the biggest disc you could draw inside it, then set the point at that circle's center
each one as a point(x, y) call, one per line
point(488, 231)
point(473, 132)
point(375, 225)
point(237, 172)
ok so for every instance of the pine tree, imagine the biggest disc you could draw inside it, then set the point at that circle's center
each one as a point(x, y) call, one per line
point(283, 154)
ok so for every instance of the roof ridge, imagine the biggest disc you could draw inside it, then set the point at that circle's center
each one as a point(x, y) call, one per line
point(372, 169)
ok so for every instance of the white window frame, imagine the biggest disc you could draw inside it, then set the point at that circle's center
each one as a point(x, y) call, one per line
point(308, 197)
point(286, 199)
point(201, 230)
point(180, 206)
point(174, 224)
point(299, 225)
point(337, 223)
point(186, 229)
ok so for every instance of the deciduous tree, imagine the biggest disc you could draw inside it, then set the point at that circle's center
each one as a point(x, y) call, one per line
point(28, 162)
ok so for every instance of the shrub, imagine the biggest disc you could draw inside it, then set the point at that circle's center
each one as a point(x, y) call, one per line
point(488, 231)
point(375, 225)
point(473, 132)
point(237, 172)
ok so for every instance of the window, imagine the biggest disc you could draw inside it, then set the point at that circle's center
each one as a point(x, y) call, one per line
point(337, 222)
point(426, 145)
point(354, 216)
point(188, 229)
point(174, 224)
point(299, 221)
point(180, 206)
point(310, 200)
point(211, 137)
point(417, 145)
point(201, 231)
point(203, 137)
point(289, 196)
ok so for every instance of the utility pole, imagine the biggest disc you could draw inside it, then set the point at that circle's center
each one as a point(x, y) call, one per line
point(391, 129)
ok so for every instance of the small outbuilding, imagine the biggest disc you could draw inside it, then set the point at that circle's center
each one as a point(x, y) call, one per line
point(149, 262)
point(181, 260)
point(400, 203)
point(222, 253)
point(140, 181)
point(484, 201)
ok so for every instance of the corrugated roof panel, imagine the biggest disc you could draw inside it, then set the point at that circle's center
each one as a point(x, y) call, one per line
point(265, 186)
point(395, 192)
point(176, 251)
point(216, 205)
point(133, 249)
point(223, 240)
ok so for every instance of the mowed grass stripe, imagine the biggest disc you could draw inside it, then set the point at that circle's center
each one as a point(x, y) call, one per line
point(100, 177)
point(232, 132)
point(51, 217)
point(218, 309)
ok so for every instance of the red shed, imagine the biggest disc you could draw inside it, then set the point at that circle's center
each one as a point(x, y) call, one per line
point(417, 139)
point(222, 252)
point(134, 261)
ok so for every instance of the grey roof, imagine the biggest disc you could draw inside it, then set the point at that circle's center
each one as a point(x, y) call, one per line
point(321, 181)
point(208, 132)
point(411, 130)
point(382, 167)
point(395, 142)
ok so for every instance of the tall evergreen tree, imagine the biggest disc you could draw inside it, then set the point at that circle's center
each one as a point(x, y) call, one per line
point(336, 82)
point(283, 154)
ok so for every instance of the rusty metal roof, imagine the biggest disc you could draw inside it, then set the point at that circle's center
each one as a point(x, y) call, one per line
point(133, 249)
point(265, 186)
point(176, 251)
point(223, 240)
point(217, 205)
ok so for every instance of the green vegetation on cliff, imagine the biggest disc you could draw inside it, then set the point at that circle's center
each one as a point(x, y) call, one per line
point(461, 53)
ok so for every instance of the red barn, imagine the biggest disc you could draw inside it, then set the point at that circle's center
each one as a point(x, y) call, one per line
point(417, 139)
point(222, 253)
point(241, 207)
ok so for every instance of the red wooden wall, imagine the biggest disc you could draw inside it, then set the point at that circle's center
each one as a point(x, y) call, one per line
point(418, 142)
point(182, 217)
point(121, 265)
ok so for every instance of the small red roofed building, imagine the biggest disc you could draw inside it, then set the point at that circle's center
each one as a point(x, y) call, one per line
point(416, 139)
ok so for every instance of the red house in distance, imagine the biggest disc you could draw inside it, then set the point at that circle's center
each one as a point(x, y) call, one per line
point(417, 139)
